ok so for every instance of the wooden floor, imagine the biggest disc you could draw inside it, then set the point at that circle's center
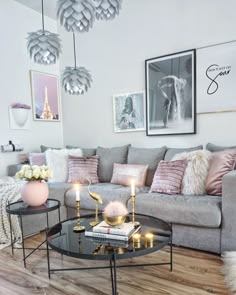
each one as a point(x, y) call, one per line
point(195, 273)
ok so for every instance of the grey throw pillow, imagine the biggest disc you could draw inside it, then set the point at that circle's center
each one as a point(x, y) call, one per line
point(171, 152)
point(109, 156)
point(147, 156)
point(44, 148)
point(87, 152)
point(217, 148)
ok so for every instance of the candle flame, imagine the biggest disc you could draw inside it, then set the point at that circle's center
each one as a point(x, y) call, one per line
point(149, 236)
point(77, 186)
point(132, 181)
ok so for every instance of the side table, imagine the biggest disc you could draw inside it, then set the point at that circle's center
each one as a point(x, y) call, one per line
point(20, 208)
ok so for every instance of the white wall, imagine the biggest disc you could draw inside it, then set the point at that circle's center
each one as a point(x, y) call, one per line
point(115, 52)
point(15, 21)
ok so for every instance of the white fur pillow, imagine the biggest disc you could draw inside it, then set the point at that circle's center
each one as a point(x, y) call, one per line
point(57, 160)
point(194, 180)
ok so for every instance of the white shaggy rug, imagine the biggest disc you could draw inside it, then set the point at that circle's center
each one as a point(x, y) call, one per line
point(229, 269)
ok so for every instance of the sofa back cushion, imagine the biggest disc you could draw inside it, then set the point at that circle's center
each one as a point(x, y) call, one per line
point(171, 152)
point(123, 173)
point(57, 160)
point(43, 148)
point(168, 177)
point(87, 152)
point(109, 156)
point(217, 148)
point(80, 169)
point(147, 156)
point(220, 164)
point(194, 180)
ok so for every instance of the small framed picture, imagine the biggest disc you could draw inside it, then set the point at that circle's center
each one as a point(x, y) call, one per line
point(171, 94)
point(45, 96)
point(128, 111)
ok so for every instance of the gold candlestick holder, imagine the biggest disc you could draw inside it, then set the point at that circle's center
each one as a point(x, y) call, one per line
point(136, 223)
point(78, 227)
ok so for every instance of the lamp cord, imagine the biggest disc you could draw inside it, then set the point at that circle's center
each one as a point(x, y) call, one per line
point(74, 49)
point(42, 15)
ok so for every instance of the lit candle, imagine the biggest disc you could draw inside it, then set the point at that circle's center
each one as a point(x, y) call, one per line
point(132, 187)
point(137, 238)
point(149, 236)
point(77, 192)
point(149, 240)
point(137, 241)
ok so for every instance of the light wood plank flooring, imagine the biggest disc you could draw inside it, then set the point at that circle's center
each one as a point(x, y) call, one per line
point(195, 273)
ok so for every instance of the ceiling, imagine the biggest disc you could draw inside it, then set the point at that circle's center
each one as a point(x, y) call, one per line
point(49, 6)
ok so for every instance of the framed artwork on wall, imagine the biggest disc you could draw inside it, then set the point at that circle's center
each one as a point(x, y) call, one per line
point(171, 94)
point(45, 96)
point(128, 111)
point(216, 78)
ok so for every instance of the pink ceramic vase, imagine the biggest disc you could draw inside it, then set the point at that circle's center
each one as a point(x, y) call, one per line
point(34, 193)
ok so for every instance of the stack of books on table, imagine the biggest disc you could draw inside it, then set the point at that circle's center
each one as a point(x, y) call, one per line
point(103, 230)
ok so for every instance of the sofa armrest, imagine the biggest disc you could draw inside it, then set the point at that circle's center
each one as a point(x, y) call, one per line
point(12, 169)
point(228, 232)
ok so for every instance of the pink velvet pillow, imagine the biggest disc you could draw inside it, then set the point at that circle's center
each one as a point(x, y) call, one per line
point(168, 177)
point(220, 164)
point(123, 173)
point(37, 159)
point(81, 169)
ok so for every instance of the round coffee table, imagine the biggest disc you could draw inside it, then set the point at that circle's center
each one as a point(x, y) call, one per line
point(64, 240)
point(20, 208)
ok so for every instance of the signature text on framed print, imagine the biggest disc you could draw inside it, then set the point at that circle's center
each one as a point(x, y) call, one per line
point(45, 96)
point(171, 94)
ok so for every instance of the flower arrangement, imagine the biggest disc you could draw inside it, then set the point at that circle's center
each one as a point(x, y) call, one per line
point(34, 172)
point(19, 105)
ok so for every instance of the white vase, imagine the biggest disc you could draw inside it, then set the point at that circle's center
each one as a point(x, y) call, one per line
point(34, 193)
point(20, 116)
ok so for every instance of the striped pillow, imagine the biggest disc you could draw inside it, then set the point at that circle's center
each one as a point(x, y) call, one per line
point(168, 177)
point(80, 169)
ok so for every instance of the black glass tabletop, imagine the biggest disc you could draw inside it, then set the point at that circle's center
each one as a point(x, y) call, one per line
point(22, 208)
point(64, 240)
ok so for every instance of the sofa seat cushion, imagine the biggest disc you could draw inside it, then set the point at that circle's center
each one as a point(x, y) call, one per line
point(108, 191)
point(203, 211)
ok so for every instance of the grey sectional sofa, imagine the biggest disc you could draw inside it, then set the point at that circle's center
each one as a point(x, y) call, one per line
point(201, 222)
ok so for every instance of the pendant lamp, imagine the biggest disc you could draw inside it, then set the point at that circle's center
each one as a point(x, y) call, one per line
point(76, 15)
point(76, 80)
point(106, 9)
point(43, 46)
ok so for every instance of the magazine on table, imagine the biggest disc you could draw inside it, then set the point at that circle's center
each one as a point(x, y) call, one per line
point(123, 230)
point(89, 233)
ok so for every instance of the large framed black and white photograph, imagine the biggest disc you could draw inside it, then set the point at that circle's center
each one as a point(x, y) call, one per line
point(171, 94)
point(129, 111)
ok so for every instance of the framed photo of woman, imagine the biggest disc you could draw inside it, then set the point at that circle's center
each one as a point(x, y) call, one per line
point(128, 110)
point(171, 94)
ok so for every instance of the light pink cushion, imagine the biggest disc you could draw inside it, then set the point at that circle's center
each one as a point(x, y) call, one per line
point(37, 159)
point(168, 177)
point(123, 173)
point(220, 164)
point(81, 169)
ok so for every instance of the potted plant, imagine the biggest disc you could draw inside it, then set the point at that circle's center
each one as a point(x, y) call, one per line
point(20, 113)
point(35, 190)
